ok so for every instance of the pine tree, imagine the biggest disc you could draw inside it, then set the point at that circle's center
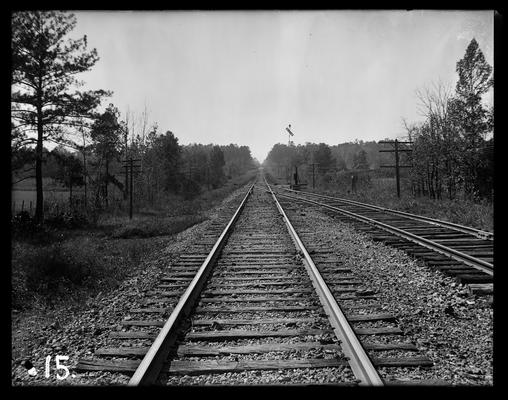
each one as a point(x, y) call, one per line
point(44, 66)
point(360, 160)
point(323, 156)
point(468, 112)
point(168, 153)
point(474, 81)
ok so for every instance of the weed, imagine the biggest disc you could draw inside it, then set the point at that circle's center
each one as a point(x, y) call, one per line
point(460, 210)
point(378, 188)
point(76, 253)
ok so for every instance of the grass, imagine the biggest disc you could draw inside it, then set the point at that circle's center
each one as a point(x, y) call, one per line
point(69, 261)
point(461, 211)
point(70, 269)
point(381, 191)
point(155, 226)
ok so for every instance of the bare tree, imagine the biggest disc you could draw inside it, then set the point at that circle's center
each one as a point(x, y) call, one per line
point(144, 124)
point(437, 143)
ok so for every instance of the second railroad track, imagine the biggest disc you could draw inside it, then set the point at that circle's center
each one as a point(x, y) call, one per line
point(460, 251)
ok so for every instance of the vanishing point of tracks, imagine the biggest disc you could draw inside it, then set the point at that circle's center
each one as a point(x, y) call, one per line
point(460, 251)
point(255, 303)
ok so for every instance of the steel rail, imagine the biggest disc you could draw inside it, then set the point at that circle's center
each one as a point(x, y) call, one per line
point(359, 361)
point(465, 229)
point(467, 259)
point(151, 365)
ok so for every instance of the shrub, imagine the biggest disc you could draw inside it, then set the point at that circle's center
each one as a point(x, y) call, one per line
point(59, 270)
point(68, 219)
point(46, 267)
point(24, 227)
point(22, 222)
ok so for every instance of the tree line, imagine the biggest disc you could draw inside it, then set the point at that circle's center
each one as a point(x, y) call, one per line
point(451, 152)
point(327, 160)
point(48, 108)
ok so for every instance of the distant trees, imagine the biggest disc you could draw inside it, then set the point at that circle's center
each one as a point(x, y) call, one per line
point(22, 157)
point(449, 150)
point(237, 159)
point(340, 163)
point(323, 157)
point(346, 155)
point(186, 170)
point(209, 165)
point(167, 152)
point(360, 160)
point(284, 160)
point(168, 168)
point(69, 169)
point(336, 158)
point(216, 163)
point(44, 66)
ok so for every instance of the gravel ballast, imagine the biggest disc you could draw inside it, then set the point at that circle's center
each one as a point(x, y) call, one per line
point(450, 326)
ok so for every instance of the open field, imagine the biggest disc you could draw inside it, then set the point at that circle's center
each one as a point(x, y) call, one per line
point(24, 192)
point(21, 199)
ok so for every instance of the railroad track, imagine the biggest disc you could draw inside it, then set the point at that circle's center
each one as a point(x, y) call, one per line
point(258, 309)
point(463, 252)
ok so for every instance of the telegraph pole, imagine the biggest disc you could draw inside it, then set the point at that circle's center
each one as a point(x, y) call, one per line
point(397, 174)
point(313, 179)
point(130, 191)
point(129, 165)
point(397, 166)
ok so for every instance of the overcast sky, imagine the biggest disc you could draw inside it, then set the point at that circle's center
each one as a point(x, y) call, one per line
point(242, 77)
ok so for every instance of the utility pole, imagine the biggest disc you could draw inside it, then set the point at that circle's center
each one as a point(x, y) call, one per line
point(125, 131)
point(130, 191)
point(313, 178)
point(397, 174)
point(397, 166)
point(129, 165)
point(207, 174)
